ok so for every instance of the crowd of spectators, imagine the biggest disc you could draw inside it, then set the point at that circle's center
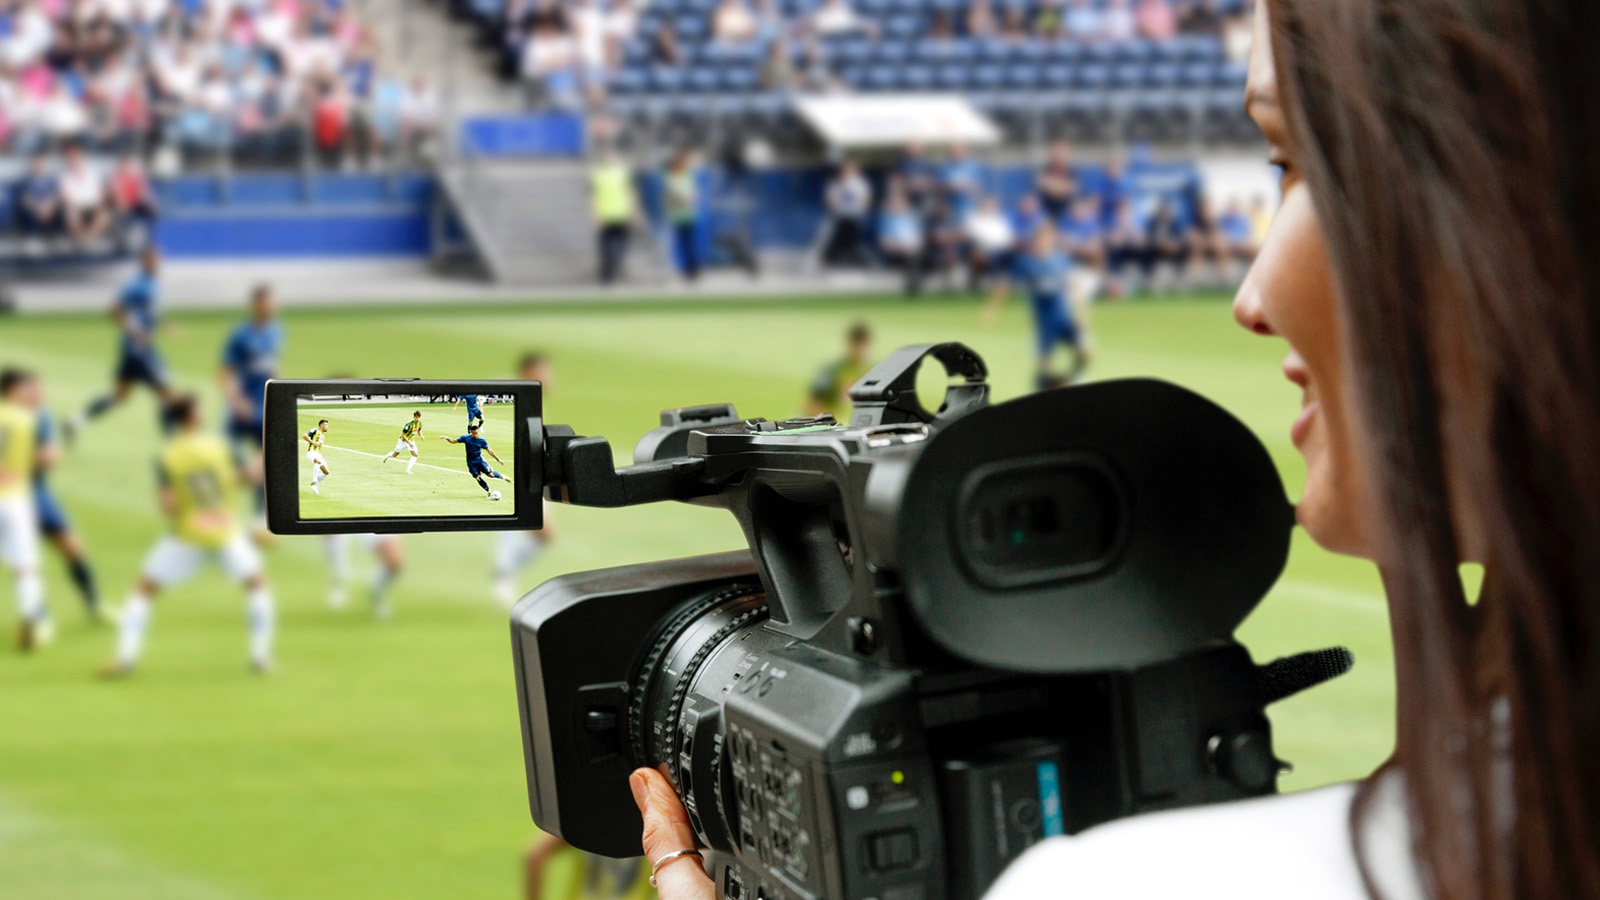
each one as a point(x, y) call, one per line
point(569, 50)
point(257, 81)
point(938, 220)
point(69, 200)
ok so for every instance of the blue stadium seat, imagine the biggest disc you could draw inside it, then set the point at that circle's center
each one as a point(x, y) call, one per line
point(1096, 77)
point(1230, 74)
point(1066, 51)
point(1056, 76)
point(744, 79)
point(892, 52)
point(916, 78)
point(883, 77)
point(1137, 52)
point(1128, 75)
point(904, 26)
point(1195, 74)
point(691, 27)
point(855, 76)
point(1099, 54)
point(704, 80)
point(992, 49)
point(988, 77)
point(952, 76)
point(629, 81)
point(851, 50)
point(957, 50)
point(667, 79)
point(1162, 75)
point(1023, 76)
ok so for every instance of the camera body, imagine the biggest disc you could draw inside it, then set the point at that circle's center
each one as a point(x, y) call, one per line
point(954, 633)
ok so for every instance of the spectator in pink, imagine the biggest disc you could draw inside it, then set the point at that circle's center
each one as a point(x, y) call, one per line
point(1156, 20)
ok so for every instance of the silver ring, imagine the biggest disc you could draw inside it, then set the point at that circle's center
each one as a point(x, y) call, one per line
point(676, 854)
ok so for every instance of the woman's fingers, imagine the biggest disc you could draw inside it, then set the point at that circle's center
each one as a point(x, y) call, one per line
point(666, 830)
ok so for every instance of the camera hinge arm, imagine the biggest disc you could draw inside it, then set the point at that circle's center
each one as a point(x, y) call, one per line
point(581, 471)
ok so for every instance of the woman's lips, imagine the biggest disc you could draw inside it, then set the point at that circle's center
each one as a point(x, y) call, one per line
point(1302, 424)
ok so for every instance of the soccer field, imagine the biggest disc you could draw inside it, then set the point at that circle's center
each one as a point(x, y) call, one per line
point(383, 760)
point(359, 440)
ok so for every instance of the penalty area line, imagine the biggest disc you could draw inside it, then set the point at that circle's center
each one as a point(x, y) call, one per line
point(397, 459)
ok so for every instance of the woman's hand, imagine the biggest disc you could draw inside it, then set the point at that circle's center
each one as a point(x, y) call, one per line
point(666, 830)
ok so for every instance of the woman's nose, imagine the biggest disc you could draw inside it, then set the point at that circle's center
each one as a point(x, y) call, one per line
point(1248, 309)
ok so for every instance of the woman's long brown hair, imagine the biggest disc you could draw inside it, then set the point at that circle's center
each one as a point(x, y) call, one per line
point(1452, 148)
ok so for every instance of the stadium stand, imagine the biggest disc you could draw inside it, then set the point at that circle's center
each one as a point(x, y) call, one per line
point(257, 84)
point(1087, 70)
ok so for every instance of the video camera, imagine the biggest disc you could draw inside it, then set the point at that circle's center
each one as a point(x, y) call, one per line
point(955, 631)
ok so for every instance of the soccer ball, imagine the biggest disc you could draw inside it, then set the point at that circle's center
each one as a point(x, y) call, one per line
point(494, 495)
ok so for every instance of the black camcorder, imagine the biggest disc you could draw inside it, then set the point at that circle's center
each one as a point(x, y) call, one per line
point(955, 631)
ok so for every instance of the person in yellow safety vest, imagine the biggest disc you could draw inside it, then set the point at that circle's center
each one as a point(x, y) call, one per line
point(615, 206)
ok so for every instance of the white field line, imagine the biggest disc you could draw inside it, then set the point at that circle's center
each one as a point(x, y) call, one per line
point(461, 471)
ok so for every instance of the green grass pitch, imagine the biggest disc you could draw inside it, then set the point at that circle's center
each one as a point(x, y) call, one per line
point(383, 759)
point(360, 483)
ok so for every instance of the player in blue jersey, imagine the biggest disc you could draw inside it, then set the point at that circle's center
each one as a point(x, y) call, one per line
point(53, 522)
point(1042, 271)
point(138, 314)
point(474, 408)
point(476, 446)
point(249, 361)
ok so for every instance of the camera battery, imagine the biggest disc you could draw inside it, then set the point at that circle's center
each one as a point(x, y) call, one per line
point(1006, 798)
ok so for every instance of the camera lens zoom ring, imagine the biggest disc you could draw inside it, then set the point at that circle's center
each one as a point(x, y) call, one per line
point(666, 638)
point(680, 692)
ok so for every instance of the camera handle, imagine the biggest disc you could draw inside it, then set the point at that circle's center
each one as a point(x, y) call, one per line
point(887, 394)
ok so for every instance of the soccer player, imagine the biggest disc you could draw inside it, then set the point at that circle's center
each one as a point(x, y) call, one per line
point(19, 533)
point(516, 549)
point(830, 389)
point(410, 433)
point(1042, 270)
point(319, 466)
point(474, 410)
point(391, 560)
point(249, 361)
point(52, 519)
point(198, 493)
point(476, 446)
point(138, 314)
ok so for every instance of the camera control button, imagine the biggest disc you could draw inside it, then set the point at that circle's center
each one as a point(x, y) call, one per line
point(858, 797)
point(890, 850)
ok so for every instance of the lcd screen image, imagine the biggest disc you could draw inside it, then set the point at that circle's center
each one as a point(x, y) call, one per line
point(405, 455)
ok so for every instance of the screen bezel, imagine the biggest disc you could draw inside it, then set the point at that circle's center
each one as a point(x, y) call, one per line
point(283, 451)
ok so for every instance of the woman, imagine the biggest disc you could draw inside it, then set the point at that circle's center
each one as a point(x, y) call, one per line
point(1432, 272)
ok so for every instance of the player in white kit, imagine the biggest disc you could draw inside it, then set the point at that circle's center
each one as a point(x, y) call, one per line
point(390, 556)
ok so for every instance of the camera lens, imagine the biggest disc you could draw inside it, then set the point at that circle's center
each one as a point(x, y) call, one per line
point(662, 681)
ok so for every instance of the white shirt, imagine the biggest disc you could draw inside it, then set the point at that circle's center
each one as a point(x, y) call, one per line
point(849, 197)
point(991, 231)
point(82, 188)
point(588, 23)
point(1296, 845)
point(835, 18)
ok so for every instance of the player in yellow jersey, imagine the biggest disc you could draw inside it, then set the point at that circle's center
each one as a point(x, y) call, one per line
point(199, 493)
point(319, 466)
point(410, 433)
point(830, 389)
point(19, 528)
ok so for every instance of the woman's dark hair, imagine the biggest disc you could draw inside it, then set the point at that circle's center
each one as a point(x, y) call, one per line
point(1451, 150)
